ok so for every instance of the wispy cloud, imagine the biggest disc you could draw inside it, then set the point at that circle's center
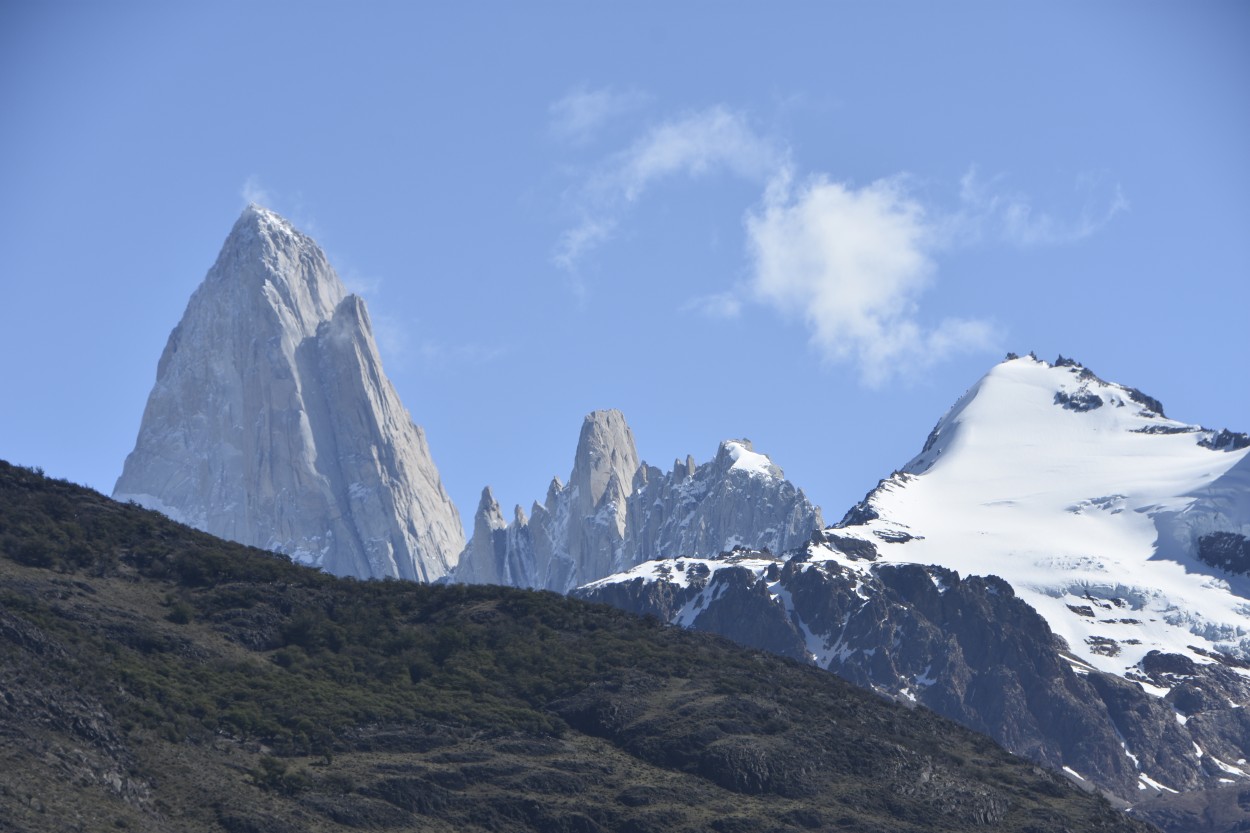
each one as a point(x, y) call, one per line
point(575, 242)
point(393, 340)
point(442, 356)
point(852, 263)
point(709, 141)
point(579, 116)
point(360, 284)
point(253, 192)
point(706, 142)
point(719, 305)
point(400, 351)
point(989, 209)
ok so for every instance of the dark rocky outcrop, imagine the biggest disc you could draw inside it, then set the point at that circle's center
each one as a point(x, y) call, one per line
point(1147, 402)
point(1079, 401)
point(1225, 440)
point(1225, 550)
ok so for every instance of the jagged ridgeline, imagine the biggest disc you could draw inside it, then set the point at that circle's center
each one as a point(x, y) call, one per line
point(616, 512)
point(271, 422)
point(155, 678)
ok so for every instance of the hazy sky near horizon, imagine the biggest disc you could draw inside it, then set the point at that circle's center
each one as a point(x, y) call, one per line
point(810, 224)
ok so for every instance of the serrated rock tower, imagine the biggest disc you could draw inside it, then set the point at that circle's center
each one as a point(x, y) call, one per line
point(271, 422)
point(616, 511)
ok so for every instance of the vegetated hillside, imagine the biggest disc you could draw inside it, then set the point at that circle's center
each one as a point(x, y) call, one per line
point(156, 678)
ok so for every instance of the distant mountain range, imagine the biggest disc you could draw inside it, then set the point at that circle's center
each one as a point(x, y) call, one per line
point(1061, 566)
point(272, 423)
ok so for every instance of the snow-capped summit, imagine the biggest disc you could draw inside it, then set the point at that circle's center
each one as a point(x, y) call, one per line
point(265, 254)
point(1082, 495)
point(743, 457)
point(271, 422)
point(616, 512)
point(1062, 567)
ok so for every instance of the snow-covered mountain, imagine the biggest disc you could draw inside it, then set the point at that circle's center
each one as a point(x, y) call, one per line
point(1084, 497)
point(616, 512)
point(1062, 567)
point(271, 422)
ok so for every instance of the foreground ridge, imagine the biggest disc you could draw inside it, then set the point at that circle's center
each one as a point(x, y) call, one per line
point(157, 678)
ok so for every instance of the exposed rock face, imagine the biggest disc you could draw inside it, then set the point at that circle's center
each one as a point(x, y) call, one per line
point(1227, 550)
point(969, 649)
point(616, 512)
point(272, 424)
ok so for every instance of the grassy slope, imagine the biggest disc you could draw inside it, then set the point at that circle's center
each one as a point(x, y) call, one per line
point(155, 678)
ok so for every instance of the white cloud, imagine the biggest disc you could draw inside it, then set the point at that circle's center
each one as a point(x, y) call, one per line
point(1012, 217)
point(706, 142)
point(852, 264)
point(582, 113)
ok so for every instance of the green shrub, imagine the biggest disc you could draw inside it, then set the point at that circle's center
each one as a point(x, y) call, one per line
point(181, 613)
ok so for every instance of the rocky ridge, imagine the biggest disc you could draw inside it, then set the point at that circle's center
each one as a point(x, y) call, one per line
point(271, 422)
point(616, 512)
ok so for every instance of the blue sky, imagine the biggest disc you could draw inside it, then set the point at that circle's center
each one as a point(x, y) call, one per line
point(810, 224)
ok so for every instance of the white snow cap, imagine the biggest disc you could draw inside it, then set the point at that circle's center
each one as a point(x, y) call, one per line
point(1084, 497)
point(745, 458)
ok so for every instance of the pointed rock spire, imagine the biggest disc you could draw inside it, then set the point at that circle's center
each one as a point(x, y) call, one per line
point(271, 422)
point(488, 516)
point(553, 493)
point(605, 448)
